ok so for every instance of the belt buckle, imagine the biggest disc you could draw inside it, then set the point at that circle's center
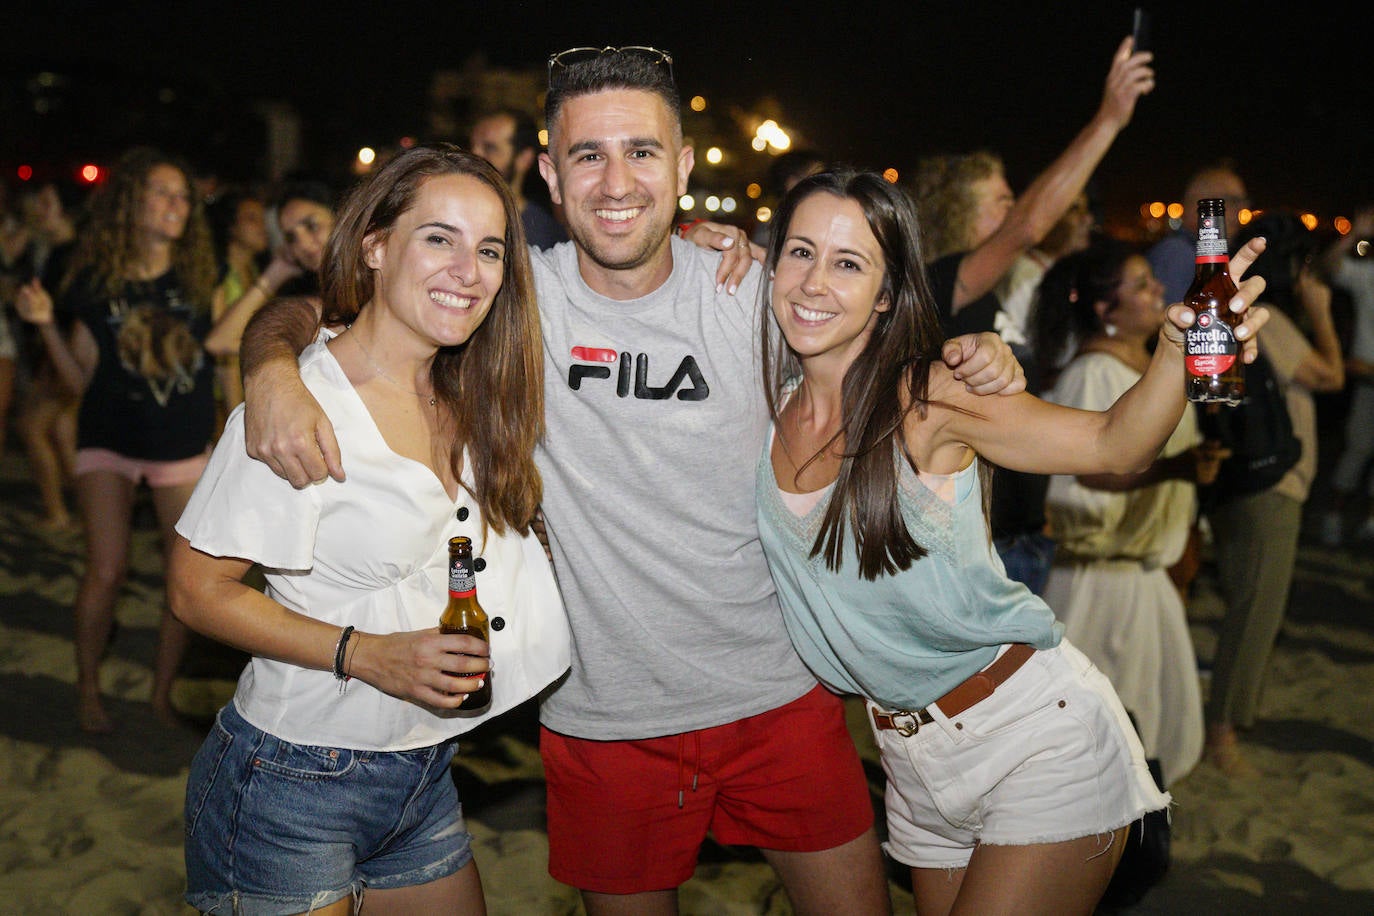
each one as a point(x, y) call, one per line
point(905, 722)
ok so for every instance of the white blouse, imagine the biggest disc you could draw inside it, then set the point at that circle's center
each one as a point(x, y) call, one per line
point(372, 552)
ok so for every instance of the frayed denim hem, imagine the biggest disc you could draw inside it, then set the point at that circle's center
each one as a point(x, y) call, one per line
point(236, 903)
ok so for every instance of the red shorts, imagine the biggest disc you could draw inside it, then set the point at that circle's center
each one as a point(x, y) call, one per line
point(630, 816)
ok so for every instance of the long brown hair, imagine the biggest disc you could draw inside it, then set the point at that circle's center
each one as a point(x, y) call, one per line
point(493, 383)
point(109, 246)
point(888, 379)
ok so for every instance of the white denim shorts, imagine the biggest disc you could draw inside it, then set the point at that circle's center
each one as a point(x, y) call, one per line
point(1050, 756)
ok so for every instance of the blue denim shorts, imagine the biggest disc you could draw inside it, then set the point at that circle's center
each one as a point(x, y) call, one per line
point(274, 827)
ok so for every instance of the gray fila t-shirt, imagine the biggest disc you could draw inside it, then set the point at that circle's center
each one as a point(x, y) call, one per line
point(655, 420)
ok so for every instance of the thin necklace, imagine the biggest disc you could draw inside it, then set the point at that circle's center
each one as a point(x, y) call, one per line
point(358, 339)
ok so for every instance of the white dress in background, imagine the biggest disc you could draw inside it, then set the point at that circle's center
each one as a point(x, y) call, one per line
point(1110, 583)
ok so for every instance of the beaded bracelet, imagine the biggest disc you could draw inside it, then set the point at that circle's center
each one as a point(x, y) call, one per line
point(339, 651)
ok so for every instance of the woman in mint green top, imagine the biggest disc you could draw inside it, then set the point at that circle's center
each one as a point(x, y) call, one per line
point(1012, 769)
point(900, 659)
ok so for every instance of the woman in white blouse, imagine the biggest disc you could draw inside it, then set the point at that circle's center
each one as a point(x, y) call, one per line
point(328, 772)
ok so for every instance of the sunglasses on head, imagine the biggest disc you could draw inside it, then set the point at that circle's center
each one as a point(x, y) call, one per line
point(580, 55)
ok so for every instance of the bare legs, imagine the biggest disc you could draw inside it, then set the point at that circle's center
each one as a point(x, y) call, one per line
point(106, 500)
point(649, 903)
point(1223, 751)
point(48, 428)
point(847, 879)
point(1055, 879)
point(173, 635)
point(458, 893)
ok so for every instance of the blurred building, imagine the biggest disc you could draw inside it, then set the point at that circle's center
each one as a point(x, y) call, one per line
point(458, 97)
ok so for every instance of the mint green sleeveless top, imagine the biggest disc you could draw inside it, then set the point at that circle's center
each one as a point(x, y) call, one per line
point(907, 639)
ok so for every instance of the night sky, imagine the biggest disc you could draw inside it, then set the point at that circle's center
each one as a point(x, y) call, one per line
point(1279, 87)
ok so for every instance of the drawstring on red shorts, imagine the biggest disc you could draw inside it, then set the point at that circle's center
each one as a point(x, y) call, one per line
point(681, 765)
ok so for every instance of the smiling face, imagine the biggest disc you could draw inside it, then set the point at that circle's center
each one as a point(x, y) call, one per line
point(166, 204)
point(1138, 312)
point(442, 263)
point(305, 227)
point(827, 286)
point(617, 165)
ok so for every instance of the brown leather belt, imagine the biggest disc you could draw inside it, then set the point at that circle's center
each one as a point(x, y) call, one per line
point(977, 688)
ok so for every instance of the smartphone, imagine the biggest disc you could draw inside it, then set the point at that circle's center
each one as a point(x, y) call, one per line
point(1140, 30)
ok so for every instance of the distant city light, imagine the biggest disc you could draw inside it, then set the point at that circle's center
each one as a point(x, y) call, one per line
point(763, 214)
point(771, 135)
point(759, 144)
point(713, 203)
point(890, 175)
point(1310, 221)
point(698, 103)
point(1244, 216)
point(714, 155)
point(754, 191)
point(25, 172)
point(1362, 247)
point(727, 204)
point(544, 137)
point(90, 173)
point(1341, 225)
point(367, 155)
point(1175, 211)
point(687, 202)
point(407, 142)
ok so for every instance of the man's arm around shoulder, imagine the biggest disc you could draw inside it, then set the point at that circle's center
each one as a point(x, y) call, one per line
point(283, 423)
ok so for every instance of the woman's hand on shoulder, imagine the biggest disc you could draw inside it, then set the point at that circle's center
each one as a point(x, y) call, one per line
point(738, 254)
point(1249, 289)
point(423, 666)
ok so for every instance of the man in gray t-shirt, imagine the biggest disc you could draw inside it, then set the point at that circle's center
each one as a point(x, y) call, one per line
point(656, 418)
point(686, 709)
point(654, 421)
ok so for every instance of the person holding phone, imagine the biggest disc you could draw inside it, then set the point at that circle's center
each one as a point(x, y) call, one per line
point(1140, 30)
point(974, 232)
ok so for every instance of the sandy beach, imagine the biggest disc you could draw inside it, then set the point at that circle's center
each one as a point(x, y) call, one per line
point(93, 825)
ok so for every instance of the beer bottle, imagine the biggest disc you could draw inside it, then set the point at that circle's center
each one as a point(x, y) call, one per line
point(464, 615)
point(1210, 349)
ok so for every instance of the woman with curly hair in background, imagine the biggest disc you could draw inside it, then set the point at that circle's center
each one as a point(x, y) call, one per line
point(139, 289)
